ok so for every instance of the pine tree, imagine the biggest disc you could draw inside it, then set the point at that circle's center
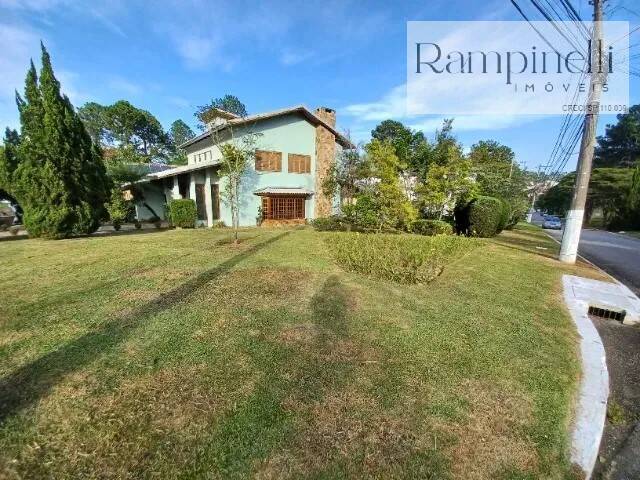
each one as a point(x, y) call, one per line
point(60, 179)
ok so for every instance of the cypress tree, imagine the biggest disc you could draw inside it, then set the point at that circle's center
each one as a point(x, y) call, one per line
point(60, 179)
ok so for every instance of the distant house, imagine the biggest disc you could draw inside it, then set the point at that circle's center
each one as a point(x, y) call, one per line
point(296, 149)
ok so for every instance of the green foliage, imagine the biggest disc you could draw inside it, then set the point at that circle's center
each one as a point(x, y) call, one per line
point(363, 215)
point(183, 213)
point(620, 145)
point(179, 133)
point(126, 165)
point(93, 115)
point(237, 155)
point(124, 125)
point(117, 208)
point(447, 181)
point(53, 170)
point(334, 223)
point(410, 146)
point(394, 211)
point(485, 215)
point(497, 175)
point(228, 103)
point(505, 215)
point(400, 258)
point(350, 167)
point(431, 227)
point(610, 189)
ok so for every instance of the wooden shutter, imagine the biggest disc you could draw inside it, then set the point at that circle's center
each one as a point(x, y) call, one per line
point(267, 161)
point(201, 206)
point(299, 163)
point(283, 208)
point(215, 201)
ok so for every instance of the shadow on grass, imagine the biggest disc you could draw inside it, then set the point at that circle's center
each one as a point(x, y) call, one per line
point(296, 371)
point(32, 381)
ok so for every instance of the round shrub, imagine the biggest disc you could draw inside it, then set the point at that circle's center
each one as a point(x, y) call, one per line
point(183, 213)
point(484, 216)
point(431, 227)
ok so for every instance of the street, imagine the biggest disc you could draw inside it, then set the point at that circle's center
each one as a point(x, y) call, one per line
point(615, 253)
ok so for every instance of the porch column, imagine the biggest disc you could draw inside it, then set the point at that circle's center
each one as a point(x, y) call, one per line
point(192, 187)
point(175, 192)
point(208, 201)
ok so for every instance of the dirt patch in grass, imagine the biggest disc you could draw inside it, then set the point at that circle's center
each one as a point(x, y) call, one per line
point(492, 439)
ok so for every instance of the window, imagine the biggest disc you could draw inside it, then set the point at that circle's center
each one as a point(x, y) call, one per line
point(282, 208)
point(268, 161)
point(299, 163)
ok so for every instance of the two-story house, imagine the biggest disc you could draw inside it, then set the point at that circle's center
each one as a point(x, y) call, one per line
point(295, 151)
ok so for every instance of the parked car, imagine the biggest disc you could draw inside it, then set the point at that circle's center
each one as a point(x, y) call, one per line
point(552, 222)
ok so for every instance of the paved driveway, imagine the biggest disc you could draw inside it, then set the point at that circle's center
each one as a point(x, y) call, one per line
point(615, 253)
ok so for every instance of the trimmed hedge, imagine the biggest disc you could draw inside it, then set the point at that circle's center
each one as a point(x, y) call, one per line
point(485, 215)
point(401, 258)
point(183, 213)
point(431, 227)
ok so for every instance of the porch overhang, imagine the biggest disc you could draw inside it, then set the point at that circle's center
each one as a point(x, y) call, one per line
point(293, 191)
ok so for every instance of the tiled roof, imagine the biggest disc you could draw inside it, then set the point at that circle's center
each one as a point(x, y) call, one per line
point(340, 139)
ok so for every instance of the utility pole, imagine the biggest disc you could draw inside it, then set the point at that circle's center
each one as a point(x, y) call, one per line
point(575, 216)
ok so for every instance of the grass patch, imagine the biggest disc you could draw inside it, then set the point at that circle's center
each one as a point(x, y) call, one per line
point(177, 354)
point(401, 258)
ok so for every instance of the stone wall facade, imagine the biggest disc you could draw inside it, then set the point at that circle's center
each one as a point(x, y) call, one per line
point(325, 158)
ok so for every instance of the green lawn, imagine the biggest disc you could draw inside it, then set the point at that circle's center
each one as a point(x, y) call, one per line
point(176, 354)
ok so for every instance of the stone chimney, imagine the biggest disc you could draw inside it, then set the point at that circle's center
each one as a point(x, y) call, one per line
point(325, 158)
point(327, 115)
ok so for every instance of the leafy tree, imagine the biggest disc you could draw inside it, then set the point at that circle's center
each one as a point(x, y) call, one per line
point(448, 180)
point(411, 147)
point(497, 175)
point(93, 115)
point(228, 103)
point(124, 125)
point(179, 133)
point(609, 189)
point(57, 175)
point(620, 145)
point(346, 174)
point(117, 208)
point(237, 155)
point(394, 208)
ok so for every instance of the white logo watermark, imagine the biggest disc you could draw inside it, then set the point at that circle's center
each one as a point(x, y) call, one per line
point(515, 67)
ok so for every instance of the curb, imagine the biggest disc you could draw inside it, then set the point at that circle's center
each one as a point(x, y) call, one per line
point(591, 408)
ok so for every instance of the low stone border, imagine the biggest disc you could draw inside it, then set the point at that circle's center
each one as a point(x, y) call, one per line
point(591, 408)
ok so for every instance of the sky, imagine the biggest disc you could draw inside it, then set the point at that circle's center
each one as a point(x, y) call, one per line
point(170, 56)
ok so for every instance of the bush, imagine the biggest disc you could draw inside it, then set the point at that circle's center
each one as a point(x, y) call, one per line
point(365, 214)
point(401, 258)
point(183, 213)
point(334, 223)
point(505, 215)
point(431, 227)
point(117, 208)
point(485, 214)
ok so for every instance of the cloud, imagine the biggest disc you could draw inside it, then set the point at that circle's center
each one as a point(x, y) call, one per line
point(14, 62)
point(290, 57)
point(123, 85)
point(391, 105)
